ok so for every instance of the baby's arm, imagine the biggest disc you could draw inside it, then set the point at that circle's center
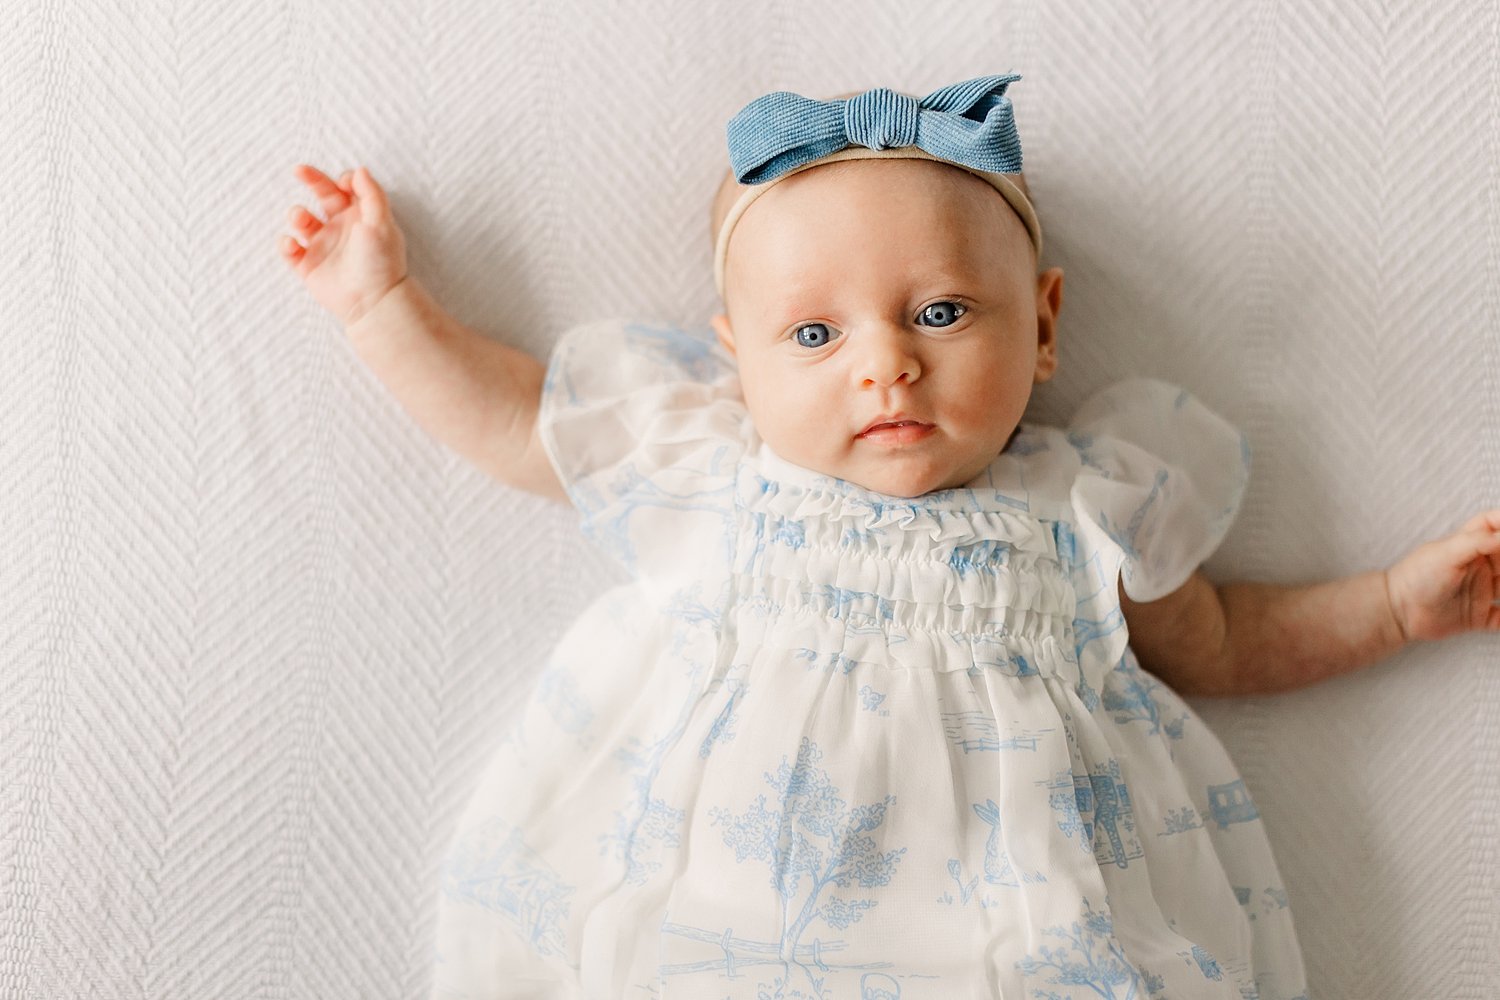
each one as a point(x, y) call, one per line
point(474, 394)
point(1258, 638)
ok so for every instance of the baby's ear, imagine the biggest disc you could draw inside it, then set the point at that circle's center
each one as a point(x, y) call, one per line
point(726, 335)
point(1048, 303)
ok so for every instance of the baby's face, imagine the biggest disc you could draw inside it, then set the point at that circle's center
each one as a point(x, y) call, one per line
point(887, 290)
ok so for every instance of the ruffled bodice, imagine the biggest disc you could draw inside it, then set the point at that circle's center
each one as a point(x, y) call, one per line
point(943, 582)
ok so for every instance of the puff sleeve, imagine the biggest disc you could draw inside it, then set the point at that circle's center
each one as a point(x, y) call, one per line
point(1161, 480)
point(645, 426)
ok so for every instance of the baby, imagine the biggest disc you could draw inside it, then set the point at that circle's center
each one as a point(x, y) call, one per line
point(865, 722)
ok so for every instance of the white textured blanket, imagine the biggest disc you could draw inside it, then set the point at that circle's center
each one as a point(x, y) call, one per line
point(258, 632)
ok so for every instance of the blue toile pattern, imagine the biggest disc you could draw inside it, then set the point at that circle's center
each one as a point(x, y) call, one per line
point(494, 867)
point(1132, 695)
point(1087, 954)
point(816, 848)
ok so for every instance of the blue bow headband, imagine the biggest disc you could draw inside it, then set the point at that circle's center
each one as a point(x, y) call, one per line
point(969, 125)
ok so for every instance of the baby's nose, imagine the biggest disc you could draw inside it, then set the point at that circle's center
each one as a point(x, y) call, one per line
point(886, 357)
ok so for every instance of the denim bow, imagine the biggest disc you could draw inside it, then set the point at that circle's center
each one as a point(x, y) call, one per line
point(970, 123)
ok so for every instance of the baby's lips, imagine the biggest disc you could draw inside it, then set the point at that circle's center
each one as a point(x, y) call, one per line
point(898, 422)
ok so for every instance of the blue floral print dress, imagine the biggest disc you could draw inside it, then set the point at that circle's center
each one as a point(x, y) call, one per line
point(829, 743)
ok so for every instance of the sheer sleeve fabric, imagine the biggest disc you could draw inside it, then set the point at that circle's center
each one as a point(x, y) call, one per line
point(1161, 481)
point(645, 426)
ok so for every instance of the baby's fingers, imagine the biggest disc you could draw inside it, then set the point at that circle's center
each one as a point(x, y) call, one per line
point(373, 206)
point(1486, 519)
point(304, 222)
point(291, 251)
point(331, 197)
point(1460, 549)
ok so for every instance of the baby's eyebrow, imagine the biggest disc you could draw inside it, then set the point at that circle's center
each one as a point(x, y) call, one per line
point(781, 316)
point(954, 278)
point(793, 300)
point(954, 269)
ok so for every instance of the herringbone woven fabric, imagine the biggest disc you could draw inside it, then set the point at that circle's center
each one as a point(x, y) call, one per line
point(258, 632)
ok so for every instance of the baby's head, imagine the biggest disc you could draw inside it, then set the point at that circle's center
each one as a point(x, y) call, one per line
point(883, 289)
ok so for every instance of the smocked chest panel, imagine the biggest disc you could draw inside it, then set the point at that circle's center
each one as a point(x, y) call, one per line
point(943, 582)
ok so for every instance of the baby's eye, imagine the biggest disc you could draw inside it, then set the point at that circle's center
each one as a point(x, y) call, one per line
point(943, 313)
point(813, 335)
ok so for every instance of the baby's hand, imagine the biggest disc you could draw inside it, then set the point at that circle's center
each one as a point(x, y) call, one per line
point(1449, 585)
point(351, 260)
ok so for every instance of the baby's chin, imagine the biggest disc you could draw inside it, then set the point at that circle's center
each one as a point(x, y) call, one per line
point(915, 468)
point(895, 480)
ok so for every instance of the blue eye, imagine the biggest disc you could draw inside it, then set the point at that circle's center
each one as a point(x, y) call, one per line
point(813, 335)
point(943, 313)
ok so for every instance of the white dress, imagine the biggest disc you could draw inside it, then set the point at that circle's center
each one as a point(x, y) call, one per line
point(832, 743)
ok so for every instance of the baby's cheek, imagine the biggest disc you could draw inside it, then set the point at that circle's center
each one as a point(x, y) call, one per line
point(773, 410)
point(988, 406)
point(750, 389)
point(976, 406)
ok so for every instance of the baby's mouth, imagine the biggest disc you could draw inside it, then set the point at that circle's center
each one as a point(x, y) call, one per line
point(896, 431)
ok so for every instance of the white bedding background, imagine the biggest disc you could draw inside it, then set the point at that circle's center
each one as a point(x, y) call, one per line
point(258, 632)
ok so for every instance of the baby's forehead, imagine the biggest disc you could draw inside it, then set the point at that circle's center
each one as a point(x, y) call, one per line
point(926, 174)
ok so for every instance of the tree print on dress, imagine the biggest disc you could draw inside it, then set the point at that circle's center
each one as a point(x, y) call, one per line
point(722, 729)
point(1128, 697)
point(494, 867)
point(813, 845)
point(687, 605)
point(1090, 957)
point(647, 827)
